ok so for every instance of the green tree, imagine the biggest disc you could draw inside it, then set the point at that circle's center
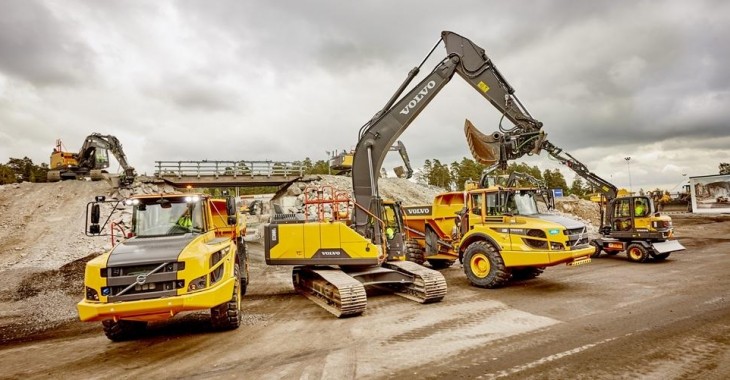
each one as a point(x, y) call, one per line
point(554, 179)
point(578, 188)
point(7, 175)
point(466, 170)
point(25, 170)
point(724, 168)
point(437, 174)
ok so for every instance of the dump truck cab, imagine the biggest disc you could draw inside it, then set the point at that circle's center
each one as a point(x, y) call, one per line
point(183, 252)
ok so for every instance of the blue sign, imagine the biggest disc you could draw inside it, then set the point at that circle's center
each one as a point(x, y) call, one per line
point(557, 192)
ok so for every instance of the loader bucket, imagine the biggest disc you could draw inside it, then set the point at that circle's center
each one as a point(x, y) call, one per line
point(484, 148)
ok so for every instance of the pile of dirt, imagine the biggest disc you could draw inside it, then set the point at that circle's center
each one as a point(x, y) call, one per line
point(398, 189)
point(44, 249)
point(586, 211)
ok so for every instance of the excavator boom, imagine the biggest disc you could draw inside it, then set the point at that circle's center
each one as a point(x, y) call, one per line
point(377, 136)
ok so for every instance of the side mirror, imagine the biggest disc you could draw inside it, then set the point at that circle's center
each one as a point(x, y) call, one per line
point(95, 216)
point(231, 210)
point(95, 213)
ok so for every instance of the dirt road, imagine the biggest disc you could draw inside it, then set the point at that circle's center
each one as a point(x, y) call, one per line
point(609, 319)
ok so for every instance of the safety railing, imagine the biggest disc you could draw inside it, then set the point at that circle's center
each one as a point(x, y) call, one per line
point(234, 169)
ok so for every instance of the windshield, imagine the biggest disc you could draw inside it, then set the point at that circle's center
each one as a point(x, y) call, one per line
point(162, 217)
point(522, 204)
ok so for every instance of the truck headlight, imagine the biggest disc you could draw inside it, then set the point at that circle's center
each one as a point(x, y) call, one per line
point(556, 246)
point(92, 294)
point(198, 283)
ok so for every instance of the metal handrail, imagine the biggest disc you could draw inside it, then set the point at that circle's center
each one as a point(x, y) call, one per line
point(227, 168)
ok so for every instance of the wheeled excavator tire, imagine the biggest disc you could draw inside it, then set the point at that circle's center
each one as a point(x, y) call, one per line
point(661, 256)
point(123, 330)
point(227, 316)
point(637, 253)
point(598, 250)
point(484, 267)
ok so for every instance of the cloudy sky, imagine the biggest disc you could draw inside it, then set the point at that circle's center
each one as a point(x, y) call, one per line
point(284, 80)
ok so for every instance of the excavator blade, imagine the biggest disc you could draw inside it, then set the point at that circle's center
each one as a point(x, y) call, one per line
point(484, 148)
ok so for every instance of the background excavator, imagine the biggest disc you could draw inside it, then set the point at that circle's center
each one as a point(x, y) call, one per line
point(361, 248)
point(343, 161)
point(91, 160)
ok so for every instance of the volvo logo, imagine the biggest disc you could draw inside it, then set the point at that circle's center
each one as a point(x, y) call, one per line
point(418, 211)
point(141, 279)
point(417, 99)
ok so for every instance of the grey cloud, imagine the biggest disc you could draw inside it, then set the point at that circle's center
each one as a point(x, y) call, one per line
point(38, 47)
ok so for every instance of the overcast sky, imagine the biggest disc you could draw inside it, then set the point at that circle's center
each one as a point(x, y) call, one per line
point(284, 80)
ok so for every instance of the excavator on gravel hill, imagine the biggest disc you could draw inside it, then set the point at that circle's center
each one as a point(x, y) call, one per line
point(90, 161)
point(336, 259)
point(343, 162)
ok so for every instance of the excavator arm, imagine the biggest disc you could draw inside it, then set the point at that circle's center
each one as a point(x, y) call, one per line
point(401, 149)
point(378, 135)
point(606, 188)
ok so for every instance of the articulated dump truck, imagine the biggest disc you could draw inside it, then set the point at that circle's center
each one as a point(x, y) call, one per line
point(183, 252)
point(497, 233)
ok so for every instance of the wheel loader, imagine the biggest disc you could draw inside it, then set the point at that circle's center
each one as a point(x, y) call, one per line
point(182, 252)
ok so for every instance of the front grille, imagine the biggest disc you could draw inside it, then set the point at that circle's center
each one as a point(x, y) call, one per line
point(577, 236)
point(136, 282)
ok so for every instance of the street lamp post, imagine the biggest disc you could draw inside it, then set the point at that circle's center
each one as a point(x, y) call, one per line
point(628, 164)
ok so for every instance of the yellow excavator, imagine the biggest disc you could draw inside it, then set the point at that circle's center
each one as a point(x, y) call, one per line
point(91, 160)
point(335, 259)
point(342, 162)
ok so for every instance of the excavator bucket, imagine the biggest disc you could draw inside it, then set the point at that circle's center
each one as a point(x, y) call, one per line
point(484, 148)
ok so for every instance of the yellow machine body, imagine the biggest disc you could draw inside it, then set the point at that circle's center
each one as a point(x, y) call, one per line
point(318, 243)
point(197, 271)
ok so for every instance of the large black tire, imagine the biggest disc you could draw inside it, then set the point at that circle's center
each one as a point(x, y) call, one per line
point(243, 259)
point(227, 316)
point(440, 263)
point(484, 267)
point(637, 253)
point(526, 273)
point(414, 252)
point(598, 250)
point(661, 256)
point(123, 330)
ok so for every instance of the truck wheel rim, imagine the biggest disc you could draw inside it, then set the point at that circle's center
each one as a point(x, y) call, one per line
point(635, 253)
point(480, 265)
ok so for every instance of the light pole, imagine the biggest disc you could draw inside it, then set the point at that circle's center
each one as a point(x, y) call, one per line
point(628, 164)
